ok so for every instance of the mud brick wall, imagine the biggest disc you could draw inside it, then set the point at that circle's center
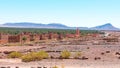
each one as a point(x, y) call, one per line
point(70, 35)
point(3, 38)
point(13, 38)
point(36, 37)
point(26, 35)
point(6, 38)
point(44, 36)
point(77, 33)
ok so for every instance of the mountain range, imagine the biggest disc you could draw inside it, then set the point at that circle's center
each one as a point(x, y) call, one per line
point(107, 26)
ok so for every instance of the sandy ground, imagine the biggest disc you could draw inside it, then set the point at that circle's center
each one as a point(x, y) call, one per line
point(66, 63)
point(18, 48)
point(108, 60)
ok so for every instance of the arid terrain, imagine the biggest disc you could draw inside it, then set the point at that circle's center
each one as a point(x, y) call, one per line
point(105, 57)
point(92, 54)
point(59, 33)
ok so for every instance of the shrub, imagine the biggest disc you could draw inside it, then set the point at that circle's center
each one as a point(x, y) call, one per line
point(29, 57)
point(34, 56)
point(55, 67)
point(24, 38)
point(15, 55)
point(65, 54)
point(77, 55)
point(43, 54)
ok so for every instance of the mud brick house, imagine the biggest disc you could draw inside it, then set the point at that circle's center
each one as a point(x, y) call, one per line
point(7, 38)
point(76, 35)
point(13, 38)
point(34, 37)
point(70, 35)
point(50, 35)
point(44, 36)
point(3, 38)
point(53, 35)
point(60, 36)
point(19, 38)
point(25, 35)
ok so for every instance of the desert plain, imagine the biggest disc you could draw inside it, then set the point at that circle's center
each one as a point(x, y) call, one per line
point(95, 52)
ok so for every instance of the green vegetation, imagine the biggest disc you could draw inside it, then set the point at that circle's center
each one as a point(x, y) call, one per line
point(55, 67)
point(43, 54)
point(30, 57)
point(24, 39)
point(85, 32)
point(15, 55)
point(65, 54)
point(77, 55)
point(15, 31)
point(35, 56)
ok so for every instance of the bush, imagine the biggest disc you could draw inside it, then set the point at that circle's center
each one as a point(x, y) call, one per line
point(65, 54)
point(77, 55)
point(55, 67)
point(43, 54)
point(34, 56)
point(29, 57)
point(15, 55)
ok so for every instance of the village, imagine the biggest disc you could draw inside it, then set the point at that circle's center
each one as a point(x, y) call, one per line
point(90, 47)
point(108, 37)
point(27, 37)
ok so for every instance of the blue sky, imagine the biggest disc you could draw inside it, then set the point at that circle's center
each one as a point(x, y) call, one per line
point(87, 13)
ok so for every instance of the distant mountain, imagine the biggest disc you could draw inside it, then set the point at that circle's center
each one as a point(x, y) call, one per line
point(81, 28)
point(57, 25)
point(35, 25)
point(107, 26)
point(23, 24)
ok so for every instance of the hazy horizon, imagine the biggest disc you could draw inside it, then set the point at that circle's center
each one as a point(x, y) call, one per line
point(50, 23)
point(86, 13)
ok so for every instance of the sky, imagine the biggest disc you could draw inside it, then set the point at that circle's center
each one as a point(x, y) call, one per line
point(75, 13)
